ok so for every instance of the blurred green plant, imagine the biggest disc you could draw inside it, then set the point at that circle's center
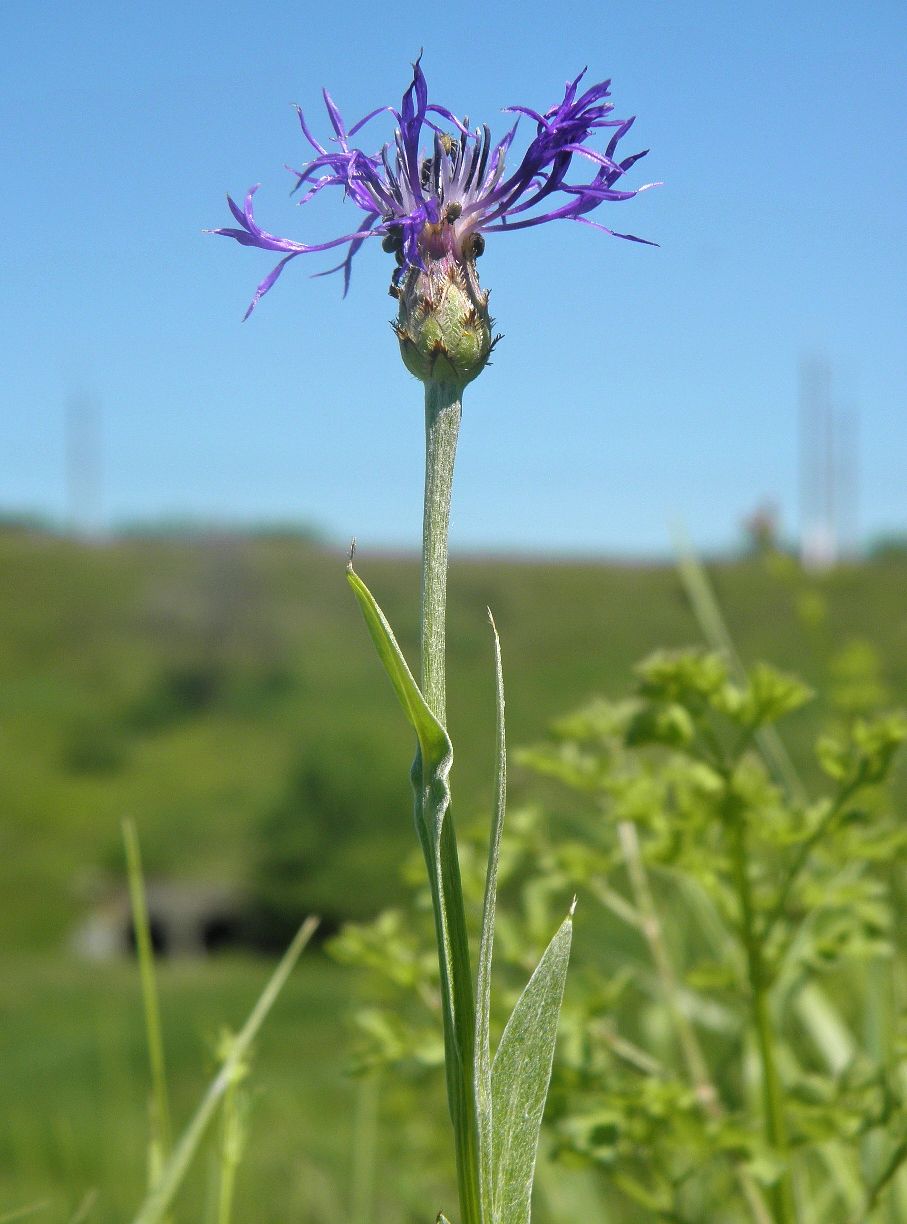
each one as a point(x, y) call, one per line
point(496, 1104)
point(715, 1061)
point(169, 1162)
point(323, 830)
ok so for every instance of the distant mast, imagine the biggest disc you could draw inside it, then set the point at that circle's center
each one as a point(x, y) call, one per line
point(828, 470)
point(849, 480)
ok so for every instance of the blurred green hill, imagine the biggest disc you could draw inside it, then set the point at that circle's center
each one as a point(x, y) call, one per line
point(221, 691)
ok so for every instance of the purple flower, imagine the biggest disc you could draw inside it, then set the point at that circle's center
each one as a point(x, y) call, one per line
point(426, 205)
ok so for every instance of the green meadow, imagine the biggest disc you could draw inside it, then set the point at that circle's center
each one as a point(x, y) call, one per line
point(221, 692)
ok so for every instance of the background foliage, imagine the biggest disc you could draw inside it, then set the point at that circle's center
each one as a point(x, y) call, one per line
point(183, 682)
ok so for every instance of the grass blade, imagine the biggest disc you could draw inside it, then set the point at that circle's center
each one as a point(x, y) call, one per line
point(708, 613)
point(160, 1102)
point(233, 1137)
point(365, 1150)
point(84, 1208)
point(22, 1213)
point(162, 1193)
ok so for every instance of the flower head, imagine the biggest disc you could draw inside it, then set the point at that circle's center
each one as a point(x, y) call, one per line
point(433, 194)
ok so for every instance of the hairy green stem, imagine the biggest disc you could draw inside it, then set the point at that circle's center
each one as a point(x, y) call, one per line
point(782, 1195)
point(442, 426)
point(442, 423)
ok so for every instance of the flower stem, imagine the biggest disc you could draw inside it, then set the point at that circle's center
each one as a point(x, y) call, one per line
point(782, 1195)
point(442, 423)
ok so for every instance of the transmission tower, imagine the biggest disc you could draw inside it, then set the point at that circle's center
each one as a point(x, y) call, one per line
point(828, 470)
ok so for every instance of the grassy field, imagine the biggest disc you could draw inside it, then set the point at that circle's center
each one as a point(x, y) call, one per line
point(185, 683)
point(74, 1100)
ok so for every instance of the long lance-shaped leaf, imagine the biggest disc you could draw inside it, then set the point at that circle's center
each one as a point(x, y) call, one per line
point(430, 773)
point(434, 743)
point(486, 945)
point(520, 1077)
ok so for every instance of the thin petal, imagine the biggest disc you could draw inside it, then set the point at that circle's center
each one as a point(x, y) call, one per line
point(381, 110)
point(308, 135)
point(335, 117)
point(354, 247)
point(268, 282)
point(614, 233)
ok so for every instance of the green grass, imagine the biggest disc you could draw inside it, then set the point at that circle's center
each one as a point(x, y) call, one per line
point(180, 683)
point(74, 1091)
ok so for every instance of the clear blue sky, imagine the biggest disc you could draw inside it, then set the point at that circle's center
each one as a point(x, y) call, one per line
point(634, 387)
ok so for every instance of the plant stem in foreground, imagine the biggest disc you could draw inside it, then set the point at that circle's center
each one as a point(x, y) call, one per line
point(442, 422)
point(649, 923)
point(782, 1195)
point(160, 1113)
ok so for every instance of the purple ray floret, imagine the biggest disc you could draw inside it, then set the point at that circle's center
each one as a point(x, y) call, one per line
point(438, 185)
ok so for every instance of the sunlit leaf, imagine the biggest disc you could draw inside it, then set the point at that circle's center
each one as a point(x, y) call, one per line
point(520, 1077)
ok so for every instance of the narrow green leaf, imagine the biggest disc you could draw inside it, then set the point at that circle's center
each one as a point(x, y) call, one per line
point(162, 1193)
point(20, 1213)
point(434, 742)
point(85, 1208)
point(364, 1163)
point(233, 1136)
point(160, 1111)
point(486, 945)
point(434, 825)
point(520, 1077)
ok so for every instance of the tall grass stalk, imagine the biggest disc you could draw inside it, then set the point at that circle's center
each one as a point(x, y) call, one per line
point(707, 610)
point(364, 1150)
point(162, 1193)
point(893, 1165)
point(649, 922)
point(23, 1213)
point(232, 1140)
point(782, 1194)
point(85, 1208)
point(159, 1148)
